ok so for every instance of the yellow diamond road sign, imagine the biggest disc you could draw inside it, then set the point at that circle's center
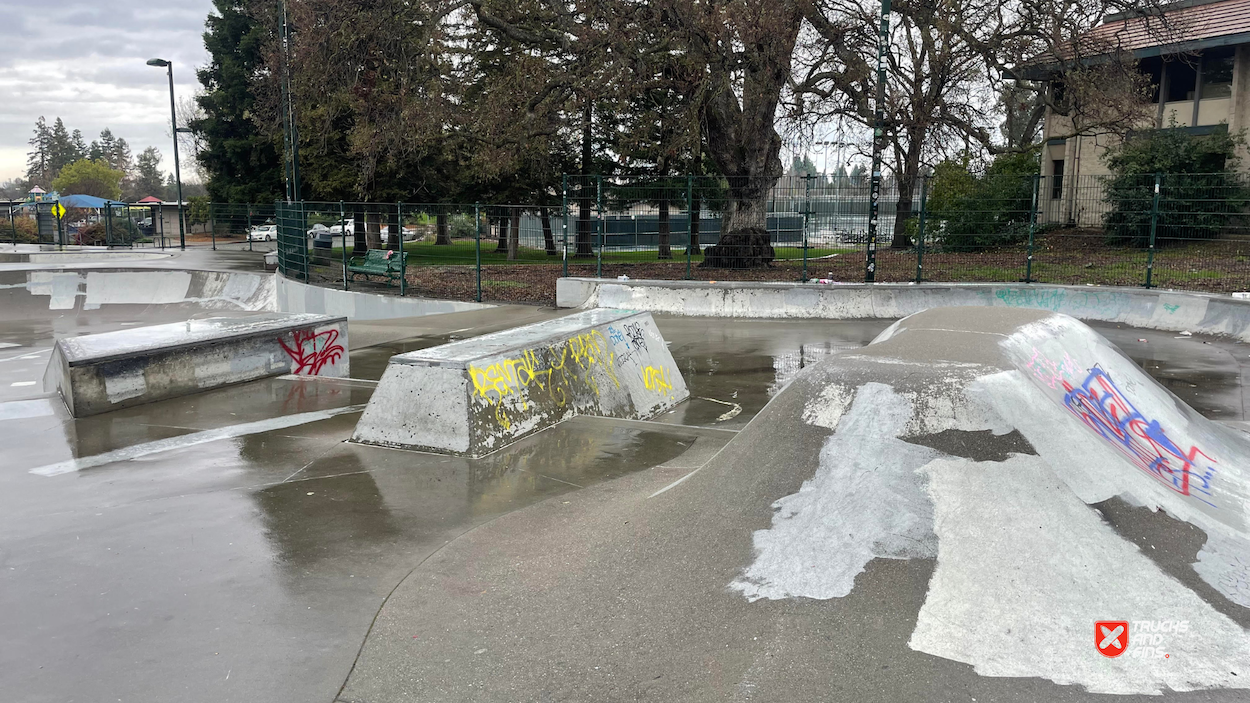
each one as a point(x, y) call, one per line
point(58, 210)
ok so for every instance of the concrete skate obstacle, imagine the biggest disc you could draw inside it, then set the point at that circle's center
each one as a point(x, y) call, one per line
point(1139, 307)
point(477, 395)
point(102, 372)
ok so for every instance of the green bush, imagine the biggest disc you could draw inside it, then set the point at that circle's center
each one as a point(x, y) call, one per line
point(970, 212)
point(1199, 191)
point(461, 227)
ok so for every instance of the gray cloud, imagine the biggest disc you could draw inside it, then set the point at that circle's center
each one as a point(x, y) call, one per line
point(84, 62)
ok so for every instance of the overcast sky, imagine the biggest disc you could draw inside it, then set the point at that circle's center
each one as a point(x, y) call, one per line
point(84, 62)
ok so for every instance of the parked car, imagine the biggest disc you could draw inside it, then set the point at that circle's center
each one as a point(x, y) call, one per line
point(263, 233)
point(409, 233)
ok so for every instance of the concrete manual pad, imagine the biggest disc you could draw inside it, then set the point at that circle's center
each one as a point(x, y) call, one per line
point(478, 395)
point(102, 372)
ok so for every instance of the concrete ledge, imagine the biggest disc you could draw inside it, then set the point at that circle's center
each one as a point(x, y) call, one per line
point(1138, 307)
point(294, 296)
point(101, 372)
point(478, 395)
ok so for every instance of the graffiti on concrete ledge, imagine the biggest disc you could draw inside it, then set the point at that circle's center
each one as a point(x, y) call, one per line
point(1099, 403)
point(553, 371)
point(312, 350)
point(656, 379)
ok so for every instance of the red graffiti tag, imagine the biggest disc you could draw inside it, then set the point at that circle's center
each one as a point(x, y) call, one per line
point(308, 358)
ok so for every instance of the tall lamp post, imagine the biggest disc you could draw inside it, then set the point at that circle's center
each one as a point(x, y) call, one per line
point(173, 122)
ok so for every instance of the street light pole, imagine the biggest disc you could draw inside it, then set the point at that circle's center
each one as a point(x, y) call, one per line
point(173, 122)
point(878, 142)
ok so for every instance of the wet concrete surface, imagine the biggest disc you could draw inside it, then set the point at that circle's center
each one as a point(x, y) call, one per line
point(249, 568)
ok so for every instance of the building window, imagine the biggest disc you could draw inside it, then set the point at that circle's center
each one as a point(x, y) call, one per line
point(1152, 68)
point(1217, 73)
point(1056, 179)
point(1182, 80)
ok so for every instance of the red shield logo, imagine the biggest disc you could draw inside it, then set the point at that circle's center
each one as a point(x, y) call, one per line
point(1111, 637)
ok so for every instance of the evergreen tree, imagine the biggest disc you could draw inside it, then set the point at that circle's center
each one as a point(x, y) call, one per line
point(80, 146)
point(120, 159)
point(60, 148)
point(38, 170)
point(148, 179)
point(242, 164)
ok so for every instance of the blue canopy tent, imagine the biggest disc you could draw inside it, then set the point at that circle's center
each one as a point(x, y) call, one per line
point(119, 228)
point(89, 202)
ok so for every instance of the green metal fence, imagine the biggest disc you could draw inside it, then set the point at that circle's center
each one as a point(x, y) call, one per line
point(1176, 231)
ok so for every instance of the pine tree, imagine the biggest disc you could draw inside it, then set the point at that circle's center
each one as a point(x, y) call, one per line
point(242, 164)
point(37, 159)
point(120, 159)
point(103, 149)
point(148, 179)
point(80, 146)
point(61, 151)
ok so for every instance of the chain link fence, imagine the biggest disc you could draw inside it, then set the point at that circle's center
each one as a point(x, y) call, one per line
point(1174, 231)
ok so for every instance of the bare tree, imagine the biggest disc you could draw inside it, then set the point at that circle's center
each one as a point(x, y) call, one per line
point(949, 60)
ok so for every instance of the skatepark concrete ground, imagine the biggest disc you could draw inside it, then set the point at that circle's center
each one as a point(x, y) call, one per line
point(187, 550)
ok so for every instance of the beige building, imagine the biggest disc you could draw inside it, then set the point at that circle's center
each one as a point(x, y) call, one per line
point(1201, 83)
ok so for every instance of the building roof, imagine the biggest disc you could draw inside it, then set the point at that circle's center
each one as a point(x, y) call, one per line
point(151, 199)
point(1184, 26)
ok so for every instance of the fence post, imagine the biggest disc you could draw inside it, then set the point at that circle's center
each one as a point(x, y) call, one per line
point(303, 237)
point(924, 213)
point(807, 213)
point(599, 222)
point(690, 215)
point(477, 246)
point(212, 226)
point(564, 220)
point(343, 237)
point(12, 223)
point(403, 256)
point(249, 227)
point(1154, 223)
point(1028, 264)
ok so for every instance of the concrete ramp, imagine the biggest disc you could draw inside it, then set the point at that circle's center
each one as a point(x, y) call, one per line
point(101, 372)
point(948, 513)
point(477, 395)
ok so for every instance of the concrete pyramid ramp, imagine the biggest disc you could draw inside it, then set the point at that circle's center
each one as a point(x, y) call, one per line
point(934, 517)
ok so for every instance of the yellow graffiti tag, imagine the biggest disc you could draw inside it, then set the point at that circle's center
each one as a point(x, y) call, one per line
point(515, 376)
point(656, 379)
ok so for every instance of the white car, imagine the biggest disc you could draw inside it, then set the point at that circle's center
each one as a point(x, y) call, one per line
point(263, 233)
point(409, 233)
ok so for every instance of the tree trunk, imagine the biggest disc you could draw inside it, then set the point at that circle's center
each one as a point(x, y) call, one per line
point(373, 230)
point(442, 236)
point(665, 251)
point(744, 240)
point(906, 187)
point(395, 233)
point(742, 137)
point(696, 208)
point(549, 239)
point(514, 235)
point(501, 244)
point(359, 243)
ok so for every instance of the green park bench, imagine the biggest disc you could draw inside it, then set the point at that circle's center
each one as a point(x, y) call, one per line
point(376, 263)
